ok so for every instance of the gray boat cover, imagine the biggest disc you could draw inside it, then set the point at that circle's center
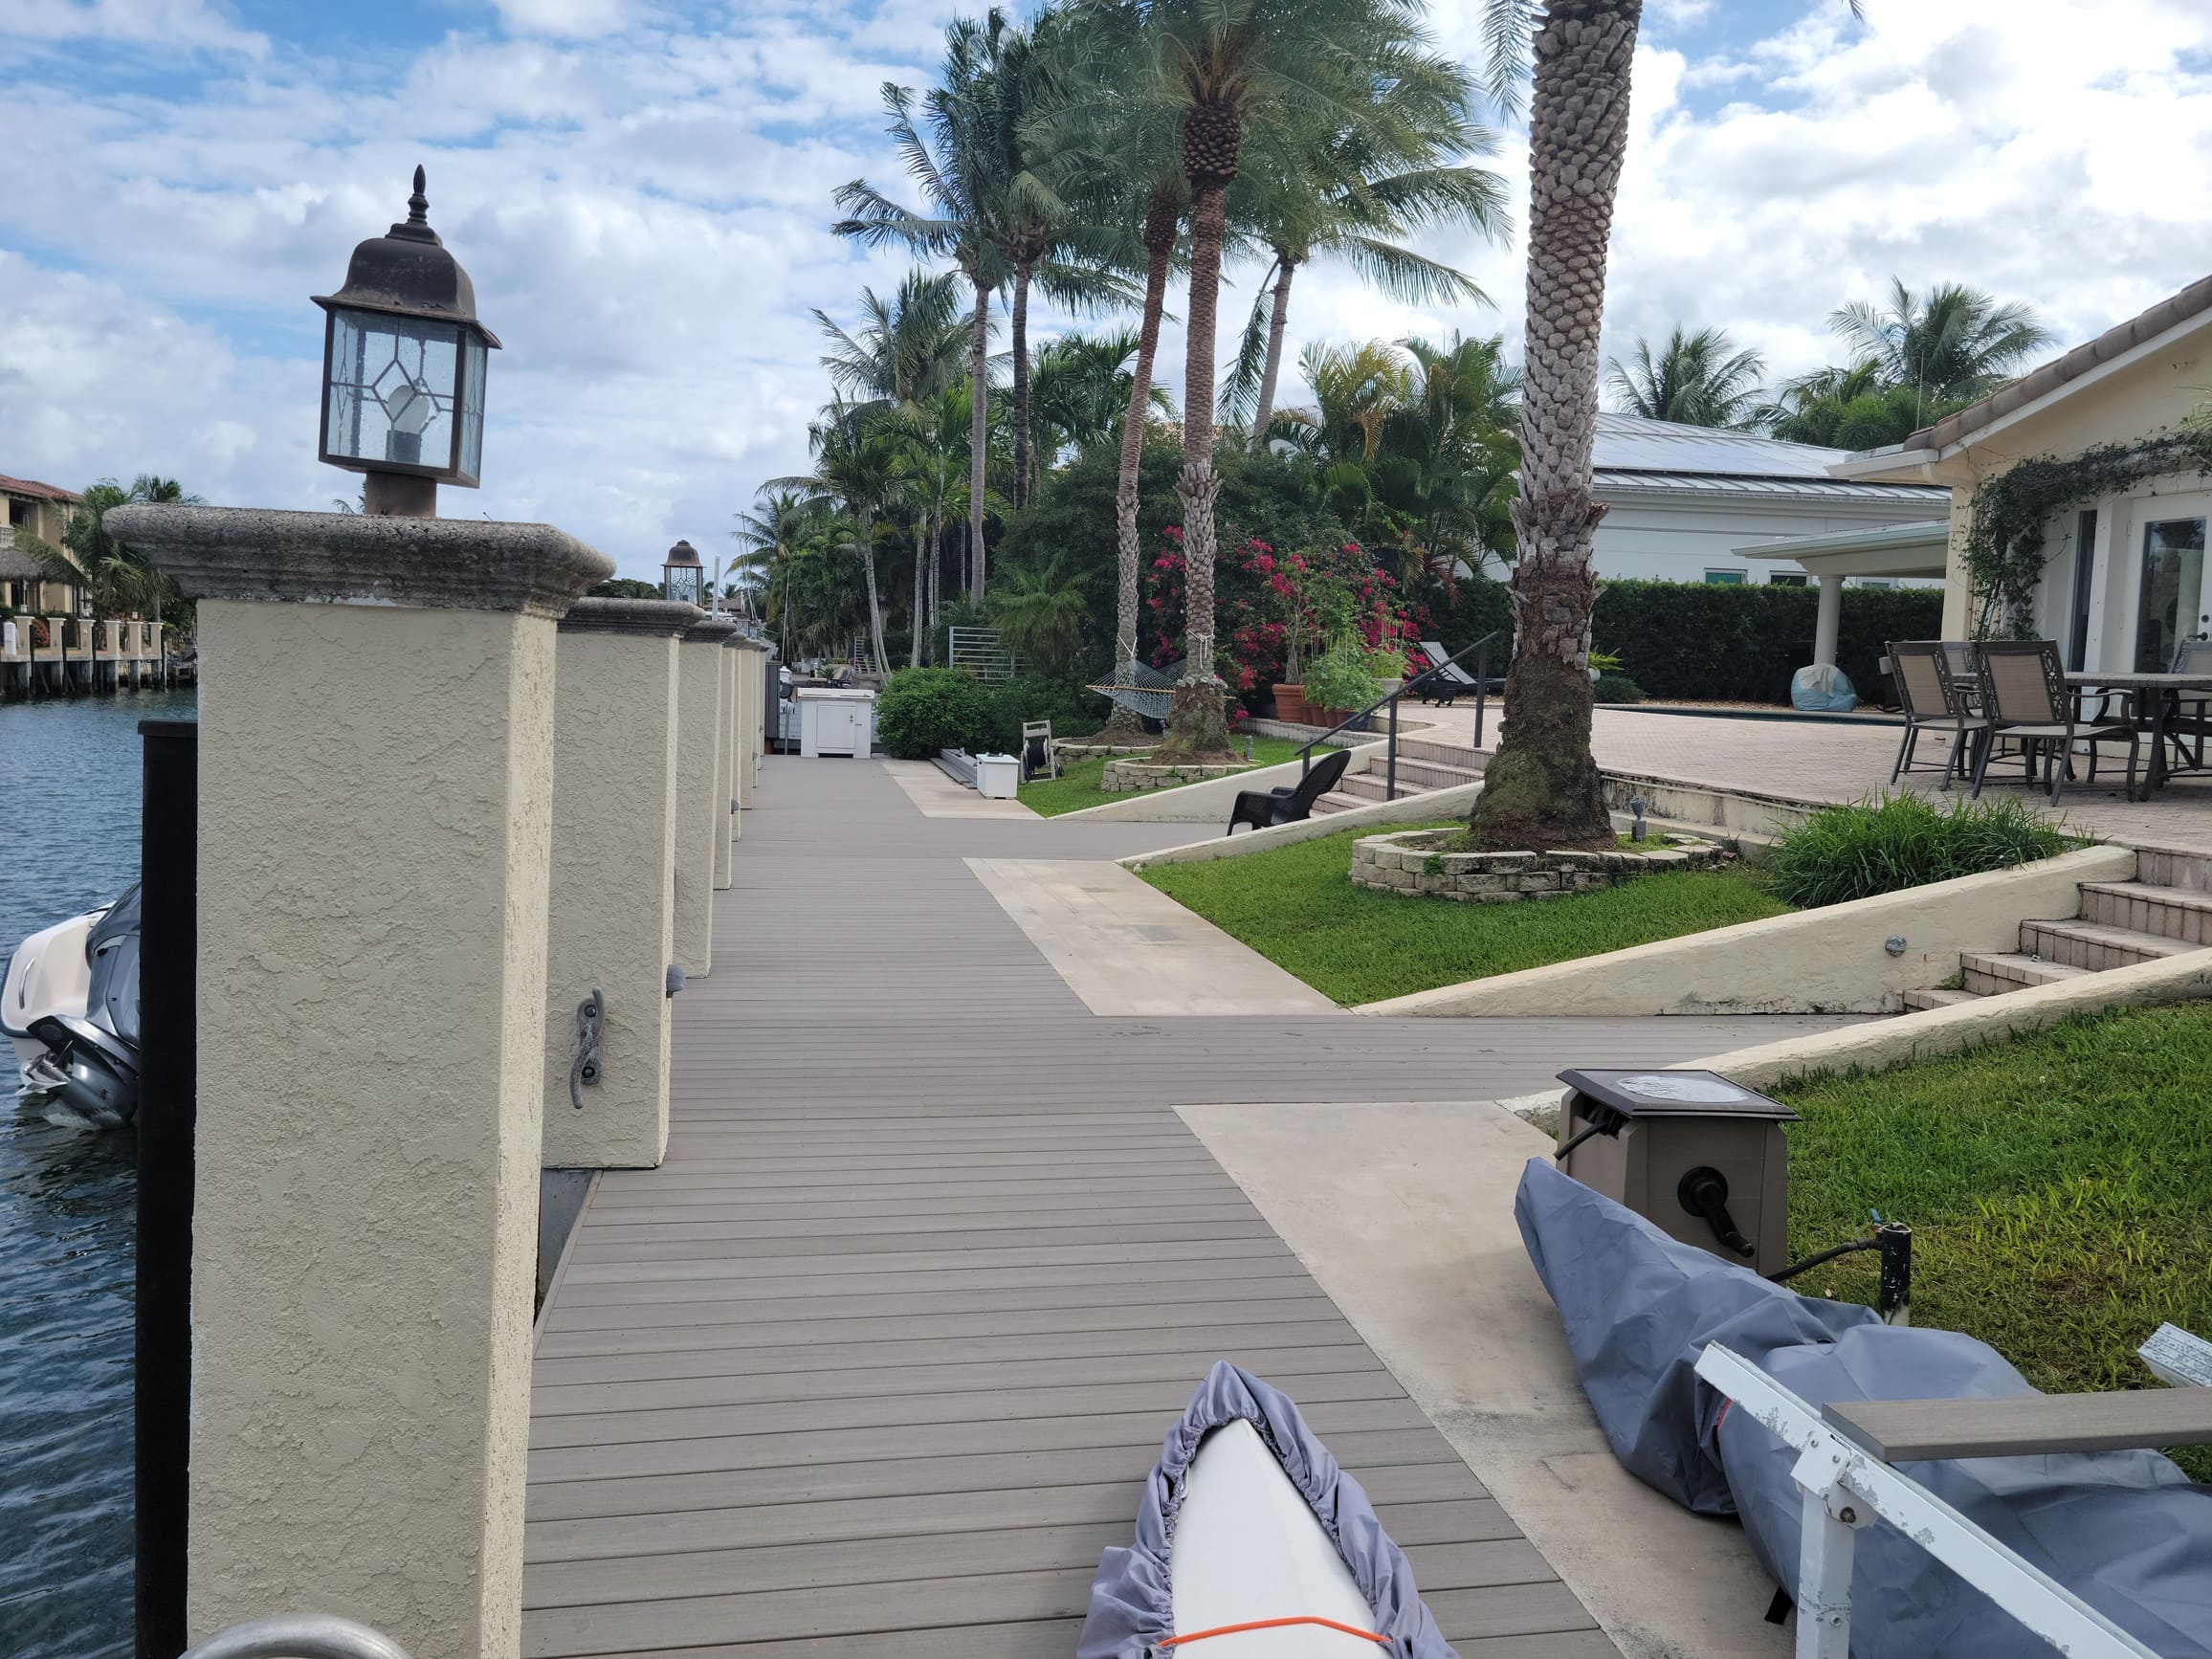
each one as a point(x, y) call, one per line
point(2125, 1531)
point(1132, 1609)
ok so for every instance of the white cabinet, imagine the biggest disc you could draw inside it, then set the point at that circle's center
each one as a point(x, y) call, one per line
point(834, 723)
point(998, 777)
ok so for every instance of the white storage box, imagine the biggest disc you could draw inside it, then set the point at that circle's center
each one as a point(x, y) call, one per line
point(998, 776)
point(834, 722)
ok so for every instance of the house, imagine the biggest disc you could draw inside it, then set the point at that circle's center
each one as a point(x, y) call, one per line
point(1683, 501)
point(2122, 577)
point(43, 511)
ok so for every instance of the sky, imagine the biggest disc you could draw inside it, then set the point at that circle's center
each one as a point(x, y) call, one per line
point(640, 189)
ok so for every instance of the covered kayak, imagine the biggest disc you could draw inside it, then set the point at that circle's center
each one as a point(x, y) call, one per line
point(1252, 1544)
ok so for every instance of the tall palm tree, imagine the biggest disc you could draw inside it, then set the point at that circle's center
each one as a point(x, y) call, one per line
point(1698, 380)
point(1223, 66)
point(908, 347)
point(1356, 192)
point(1952, 342)
point(1540, 789)
point(859, 470)
point(772, 534)
point(1080, 388)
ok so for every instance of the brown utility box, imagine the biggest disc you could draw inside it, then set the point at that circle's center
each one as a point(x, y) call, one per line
point(1698, 1157)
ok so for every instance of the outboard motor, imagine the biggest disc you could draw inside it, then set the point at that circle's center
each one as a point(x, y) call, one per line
point(91, 1062)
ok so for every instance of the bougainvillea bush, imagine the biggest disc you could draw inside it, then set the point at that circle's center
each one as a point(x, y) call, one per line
point(1273, 610)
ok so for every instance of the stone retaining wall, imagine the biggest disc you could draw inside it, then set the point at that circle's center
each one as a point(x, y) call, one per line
point(1407, 862)
point(1084, 750)
point(1130, 776)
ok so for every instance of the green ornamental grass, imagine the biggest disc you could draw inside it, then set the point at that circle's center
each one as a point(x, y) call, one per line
point(1869, 847)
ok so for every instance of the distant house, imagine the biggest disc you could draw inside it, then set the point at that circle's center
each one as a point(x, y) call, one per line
point(1682, 502)
point(43, 511)
point(2123, 574)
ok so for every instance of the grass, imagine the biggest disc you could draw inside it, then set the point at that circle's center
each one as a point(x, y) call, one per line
point(1077, 786)
point(1296, 906)
point(2059, 1186)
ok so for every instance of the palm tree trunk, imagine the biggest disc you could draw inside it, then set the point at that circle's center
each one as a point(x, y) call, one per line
point(914, 624)
point(1020, 329)
point(874, 603)
point(978, 423)
point(936, 578)
point(1542, 790)
point(1195, 725)
point(1162, 215)
point(1280, 318)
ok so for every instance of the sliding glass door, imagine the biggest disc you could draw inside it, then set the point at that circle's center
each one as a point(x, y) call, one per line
point(2172, 605)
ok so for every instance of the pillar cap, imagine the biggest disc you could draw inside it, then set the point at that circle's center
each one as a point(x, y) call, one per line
point(710, 630)
point(256, 553)
point(647, 618)
point(744, 641)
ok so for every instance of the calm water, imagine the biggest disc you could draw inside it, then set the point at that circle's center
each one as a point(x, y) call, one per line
point(69, 839)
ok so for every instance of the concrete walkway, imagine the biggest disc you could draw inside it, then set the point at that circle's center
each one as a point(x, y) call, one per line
point(876, 1363)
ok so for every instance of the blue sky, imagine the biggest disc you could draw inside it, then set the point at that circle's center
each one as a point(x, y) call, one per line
point(641, 193)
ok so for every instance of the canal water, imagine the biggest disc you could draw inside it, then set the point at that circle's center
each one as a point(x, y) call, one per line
point(68, 840)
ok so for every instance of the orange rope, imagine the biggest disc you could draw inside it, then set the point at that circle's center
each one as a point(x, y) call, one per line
point(1277, 1623)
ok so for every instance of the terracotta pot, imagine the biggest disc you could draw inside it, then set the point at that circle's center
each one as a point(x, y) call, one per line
point(1291, 704)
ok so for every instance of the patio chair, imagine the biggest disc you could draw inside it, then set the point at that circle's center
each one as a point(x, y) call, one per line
point(1933, 699)
point(1265, 810)
point(2025, 701)
point(2192, 716)
point(1448, 685)
point(1039, 759)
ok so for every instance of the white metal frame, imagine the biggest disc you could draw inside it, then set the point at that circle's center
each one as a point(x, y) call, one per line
point(1847, 1487)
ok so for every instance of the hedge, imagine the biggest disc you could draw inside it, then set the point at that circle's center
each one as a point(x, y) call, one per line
point(922, 710)
point(1713, 642)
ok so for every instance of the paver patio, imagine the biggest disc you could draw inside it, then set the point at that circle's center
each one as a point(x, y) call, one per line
point(876, 1363)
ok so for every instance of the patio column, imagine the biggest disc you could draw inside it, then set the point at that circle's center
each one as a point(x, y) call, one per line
point(375, 801)
point(726, 771)
point(700, 818)
point(1825, 623)
point(613, 910)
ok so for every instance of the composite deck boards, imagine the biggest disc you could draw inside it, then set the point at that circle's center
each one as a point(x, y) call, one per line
point(876, 1363)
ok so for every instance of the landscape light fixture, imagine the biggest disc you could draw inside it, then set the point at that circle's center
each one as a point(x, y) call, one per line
point(683, 578)
point(403, 368)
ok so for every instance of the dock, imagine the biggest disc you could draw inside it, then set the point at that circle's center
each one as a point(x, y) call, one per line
point(876, 1363)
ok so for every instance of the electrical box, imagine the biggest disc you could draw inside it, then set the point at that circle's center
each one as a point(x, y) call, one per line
point(1698, 1157)
point(998, 777)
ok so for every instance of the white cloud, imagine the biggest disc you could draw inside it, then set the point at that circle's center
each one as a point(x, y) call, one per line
point(148, 24)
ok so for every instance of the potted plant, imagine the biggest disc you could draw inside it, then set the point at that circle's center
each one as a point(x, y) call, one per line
point(1339, 681)
point(1291, 696)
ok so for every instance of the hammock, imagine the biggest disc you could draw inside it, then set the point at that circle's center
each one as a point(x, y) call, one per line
point(1141, 689)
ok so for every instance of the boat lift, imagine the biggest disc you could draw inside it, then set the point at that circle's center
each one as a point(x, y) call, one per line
point(1847, 1487)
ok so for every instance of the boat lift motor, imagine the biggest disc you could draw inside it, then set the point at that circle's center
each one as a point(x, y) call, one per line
point(1698, 1157)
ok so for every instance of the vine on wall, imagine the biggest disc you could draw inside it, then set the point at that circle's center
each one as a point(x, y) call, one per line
point(2004, 537)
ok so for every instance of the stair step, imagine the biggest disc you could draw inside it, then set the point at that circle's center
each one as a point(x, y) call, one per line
point(1940, 998)
point(2095, 945)
point(1993, 973)
point(2174, 867)
point(1337, 801)
point(1428, 774)
point(1467, 760)
point(2180, 913)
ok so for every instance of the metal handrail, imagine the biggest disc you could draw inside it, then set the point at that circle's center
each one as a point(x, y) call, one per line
point(1481, 649)
point(298, 1636)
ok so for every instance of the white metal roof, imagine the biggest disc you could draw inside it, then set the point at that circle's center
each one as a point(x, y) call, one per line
point(1608, 481)
point(1630, 443)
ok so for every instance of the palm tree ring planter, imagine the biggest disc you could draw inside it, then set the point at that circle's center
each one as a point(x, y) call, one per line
point(1132, 777)
point(1410, 862)
point(1089, 749)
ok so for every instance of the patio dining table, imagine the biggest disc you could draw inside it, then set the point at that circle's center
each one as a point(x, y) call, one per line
point(2155, 701)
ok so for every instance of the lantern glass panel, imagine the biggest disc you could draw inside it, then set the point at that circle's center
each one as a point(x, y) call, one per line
point(685, 584)
point(473, 356)
point(392, 388)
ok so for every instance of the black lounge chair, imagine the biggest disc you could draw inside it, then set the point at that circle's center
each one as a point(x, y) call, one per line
point(1264, 812)
point(1446, 686)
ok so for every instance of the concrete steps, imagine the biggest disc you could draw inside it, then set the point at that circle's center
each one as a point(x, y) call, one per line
point(1422, 766)
point(2166, 911)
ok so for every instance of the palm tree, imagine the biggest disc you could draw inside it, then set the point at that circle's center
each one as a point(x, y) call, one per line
point(772, 534)
point(1356, 194)
point(1449, 455)
point(909, 346)
point(1953, 343)
point(1080, 388)
point(859, 471)
point(1224, 65)
point(1540, 789)
point(1698, 379)
point(1039, 612)
point(117, 579)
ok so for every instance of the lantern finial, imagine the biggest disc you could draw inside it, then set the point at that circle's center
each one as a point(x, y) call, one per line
point(418, 205)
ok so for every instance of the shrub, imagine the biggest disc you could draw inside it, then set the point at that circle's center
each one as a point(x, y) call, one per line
point(1074, 710)
point(1616, 688)
point(1742, 644)
point(922, 710)
point(1867, 847)
point(1345, 676)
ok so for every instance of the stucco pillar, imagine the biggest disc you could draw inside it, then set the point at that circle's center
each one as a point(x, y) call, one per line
point(1826, 621)
point(612, 926)
point(702, 815)
point(746, 735)
point(1957, 582)
point(726, 770)
point(376, 775)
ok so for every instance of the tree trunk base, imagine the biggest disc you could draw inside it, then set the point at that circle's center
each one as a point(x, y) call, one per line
point(1197, 727)
point(1125, 729)
point(1529, 806)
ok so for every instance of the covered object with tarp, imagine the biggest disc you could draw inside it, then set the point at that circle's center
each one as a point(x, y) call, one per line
point(1133, 1598)
point(2125, 1531)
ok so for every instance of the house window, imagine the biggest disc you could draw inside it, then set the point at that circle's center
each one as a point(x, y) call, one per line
point(1724, 578)
point(1781, 580)
point(2170, 607)
point(2077, 648)
point(19, 510)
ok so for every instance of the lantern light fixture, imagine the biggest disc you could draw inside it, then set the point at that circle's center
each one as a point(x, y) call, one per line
point(403, 368)
point(683, 578)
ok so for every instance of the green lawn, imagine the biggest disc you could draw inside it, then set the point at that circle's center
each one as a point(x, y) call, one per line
point(2059, 1186)
point(1296, 906)
point(1078, 786)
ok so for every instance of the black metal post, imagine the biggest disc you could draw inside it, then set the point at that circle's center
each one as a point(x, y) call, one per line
point(167, 1112)
point(1893, 1299)
point(1390, 771)
point(1481, 686)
